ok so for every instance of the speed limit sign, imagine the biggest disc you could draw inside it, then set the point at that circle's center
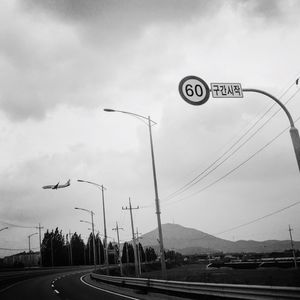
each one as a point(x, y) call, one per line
point(194, 90)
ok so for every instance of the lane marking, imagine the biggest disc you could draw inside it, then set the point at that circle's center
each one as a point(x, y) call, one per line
point(56, 291)
point(107, 291)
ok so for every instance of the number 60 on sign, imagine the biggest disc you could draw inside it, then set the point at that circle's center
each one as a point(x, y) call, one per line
point(194, 90)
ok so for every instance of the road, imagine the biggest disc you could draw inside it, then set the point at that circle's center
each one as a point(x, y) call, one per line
point(72, 286)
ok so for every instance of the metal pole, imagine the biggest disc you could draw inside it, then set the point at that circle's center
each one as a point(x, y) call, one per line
point(90, 251)
point(105, 233)
point(138, 252)
point(293, 130)
point(134, 244)
point(40, 239)
point(296, 143)
point(120, 255)
point(94, 246)
point(162, 251)
point(99, 251)
point(292, 244)
point(29, 250)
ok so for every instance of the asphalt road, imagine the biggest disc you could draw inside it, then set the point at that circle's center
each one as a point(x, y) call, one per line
point(72, 286)
point(54, 287)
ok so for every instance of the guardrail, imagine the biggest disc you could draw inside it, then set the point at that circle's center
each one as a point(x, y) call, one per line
point(237, 291)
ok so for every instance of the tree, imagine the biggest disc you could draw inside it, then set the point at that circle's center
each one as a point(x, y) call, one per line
point(54, 250)
point(99, 247)
point(150, 254)
point(113, 251)
point(173, 256)
point(127, 252)
point(90, 250)
point(142, 252)
point(77, 249)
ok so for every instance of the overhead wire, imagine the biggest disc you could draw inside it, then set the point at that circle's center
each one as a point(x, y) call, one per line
point(199, 177)
point(235, 168)
point(249, 222)
point(16, 225)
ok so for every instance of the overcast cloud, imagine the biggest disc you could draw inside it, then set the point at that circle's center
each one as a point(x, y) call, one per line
point(62, 62)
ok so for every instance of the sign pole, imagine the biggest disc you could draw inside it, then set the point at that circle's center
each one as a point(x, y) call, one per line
point(293, 130)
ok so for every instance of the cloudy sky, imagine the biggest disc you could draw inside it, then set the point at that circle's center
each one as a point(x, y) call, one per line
point(62, 62)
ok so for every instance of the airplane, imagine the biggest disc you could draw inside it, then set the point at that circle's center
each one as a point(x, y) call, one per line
point(57, 186)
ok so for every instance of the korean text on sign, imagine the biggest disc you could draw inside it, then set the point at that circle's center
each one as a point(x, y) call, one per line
point(226, 90)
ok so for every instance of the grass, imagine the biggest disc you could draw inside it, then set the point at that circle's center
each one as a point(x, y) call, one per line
point(199, 273)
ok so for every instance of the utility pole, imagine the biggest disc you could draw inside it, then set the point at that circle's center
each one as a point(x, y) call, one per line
point(292, 244)
point(104, 219)
point(105, 232)
point(127, 258)
point(120, 255)
point(99, 253)
point(133, 237)
point(138, 251)
point(40, 239)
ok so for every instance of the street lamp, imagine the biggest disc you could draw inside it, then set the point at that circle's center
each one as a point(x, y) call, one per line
point(92, 217)
point(293, 130)
point(150, 124)
point(102, 188)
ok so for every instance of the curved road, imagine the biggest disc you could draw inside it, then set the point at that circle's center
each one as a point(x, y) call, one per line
point(57, 286)
point(74, 285)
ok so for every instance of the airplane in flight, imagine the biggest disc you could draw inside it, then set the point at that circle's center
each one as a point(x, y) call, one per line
point(57, 186)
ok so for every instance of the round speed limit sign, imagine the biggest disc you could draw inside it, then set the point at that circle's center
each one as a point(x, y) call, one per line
point(194, 90)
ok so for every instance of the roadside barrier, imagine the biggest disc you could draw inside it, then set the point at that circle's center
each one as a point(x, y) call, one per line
point(237, 291)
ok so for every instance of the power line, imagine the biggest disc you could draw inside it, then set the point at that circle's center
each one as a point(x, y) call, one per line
point(15, 225)
point(234, 169)
point(199, 177)
point(250, 222)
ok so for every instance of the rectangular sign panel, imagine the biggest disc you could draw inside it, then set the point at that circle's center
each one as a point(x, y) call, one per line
point(226, 90)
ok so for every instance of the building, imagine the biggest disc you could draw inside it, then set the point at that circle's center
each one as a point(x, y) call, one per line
point(23, 259)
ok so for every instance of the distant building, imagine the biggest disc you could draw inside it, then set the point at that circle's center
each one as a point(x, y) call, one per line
point(24, 259)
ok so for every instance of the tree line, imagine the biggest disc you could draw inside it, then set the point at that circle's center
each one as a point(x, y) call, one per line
point(58, 249)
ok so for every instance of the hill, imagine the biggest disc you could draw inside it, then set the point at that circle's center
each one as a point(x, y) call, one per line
point(190, 241)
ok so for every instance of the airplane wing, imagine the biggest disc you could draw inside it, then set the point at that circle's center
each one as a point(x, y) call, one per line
point(64, 185)
point(55, 187)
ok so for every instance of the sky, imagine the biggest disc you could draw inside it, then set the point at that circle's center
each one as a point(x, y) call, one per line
point(63, 62)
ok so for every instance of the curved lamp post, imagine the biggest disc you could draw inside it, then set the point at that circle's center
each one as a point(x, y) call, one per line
point(150, 123)
point(92, 217)
point(102, 188)
point(293, 130)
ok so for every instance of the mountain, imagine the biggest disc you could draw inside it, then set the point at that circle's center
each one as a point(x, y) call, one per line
point(190, 241)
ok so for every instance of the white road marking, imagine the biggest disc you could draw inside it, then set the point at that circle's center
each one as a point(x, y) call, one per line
point(56, 291)
point(107, 291)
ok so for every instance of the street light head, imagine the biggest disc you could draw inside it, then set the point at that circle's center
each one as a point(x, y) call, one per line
point(80, 180)
point(76, 207)
point(109, 110)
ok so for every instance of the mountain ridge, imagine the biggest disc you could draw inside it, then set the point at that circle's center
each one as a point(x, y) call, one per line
point(192, 241)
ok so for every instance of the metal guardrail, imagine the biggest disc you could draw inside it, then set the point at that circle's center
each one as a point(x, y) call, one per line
point(237, 291)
